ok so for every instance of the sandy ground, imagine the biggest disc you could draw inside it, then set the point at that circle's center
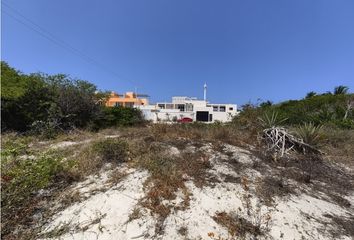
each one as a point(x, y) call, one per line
point(109, 213)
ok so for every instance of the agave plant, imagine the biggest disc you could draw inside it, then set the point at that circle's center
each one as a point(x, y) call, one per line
point(310, 133)
point(269, 120)
point(340, 90)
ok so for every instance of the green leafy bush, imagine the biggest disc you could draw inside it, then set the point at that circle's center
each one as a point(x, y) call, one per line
point(333, 109)
point(319, 109)
point(119, 116)
point(111, 150)
point(22, 178)
point(56, 102)
point(248, 117)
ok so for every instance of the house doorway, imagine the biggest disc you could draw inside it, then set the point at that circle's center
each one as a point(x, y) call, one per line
point(202, 116)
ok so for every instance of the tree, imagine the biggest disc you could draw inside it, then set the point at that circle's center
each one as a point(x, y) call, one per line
point(310, 94)
point(24, 99)
point(340, 90)
point(267, 103)
point(13, 82)
point(45, 104)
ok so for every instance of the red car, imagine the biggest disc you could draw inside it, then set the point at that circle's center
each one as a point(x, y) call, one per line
point(185, 120)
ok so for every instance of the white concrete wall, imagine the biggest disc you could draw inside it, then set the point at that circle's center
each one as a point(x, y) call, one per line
point(168, 115)
point(155, 114)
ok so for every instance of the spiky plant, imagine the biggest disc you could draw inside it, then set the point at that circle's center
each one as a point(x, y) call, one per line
point(340, 90)
point(269, 120)
point(310, 133)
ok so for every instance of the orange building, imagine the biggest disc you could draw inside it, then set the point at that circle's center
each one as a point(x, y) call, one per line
point(129, 99)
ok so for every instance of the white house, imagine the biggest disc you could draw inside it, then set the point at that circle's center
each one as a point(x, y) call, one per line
point(181, 107)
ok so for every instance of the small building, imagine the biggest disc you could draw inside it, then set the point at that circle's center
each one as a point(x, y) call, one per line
point(182, 107)
point(129, 99)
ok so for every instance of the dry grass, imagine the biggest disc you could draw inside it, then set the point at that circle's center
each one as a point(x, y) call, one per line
point(116, 177)
point(204, 132)
point(148, 148)
point(270, 187)
point(237, 226)
point(183, 231)
point(168, 172)
point(317, 173)
point(90, 158)
point(339, 146)
point(343, 226)
point(135, 214)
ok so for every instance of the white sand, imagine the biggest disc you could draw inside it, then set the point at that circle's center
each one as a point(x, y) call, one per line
point(297, 217)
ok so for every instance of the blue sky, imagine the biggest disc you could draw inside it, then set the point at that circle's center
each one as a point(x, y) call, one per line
point(243, 50)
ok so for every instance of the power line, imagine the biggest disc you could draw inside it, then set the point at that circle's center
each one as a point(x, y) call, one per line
point(54, 39)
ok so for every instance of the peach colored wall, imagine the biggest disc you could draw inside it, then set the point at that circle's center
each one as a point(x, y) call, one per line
point(129, 97)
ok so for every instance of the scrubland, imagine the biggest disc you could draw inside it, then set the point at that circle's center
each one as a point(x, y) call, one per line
point(72, 168)
point(181, 181)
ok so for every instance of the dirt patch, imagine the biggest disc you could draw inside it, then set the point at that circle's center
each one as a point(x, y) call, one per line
point(343, 225)
point(269, 187)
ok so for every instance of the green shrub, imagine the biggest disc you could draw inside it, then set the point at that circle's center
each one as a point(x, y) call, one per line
point(344, 123)
point(319, 109)
point(13, 145)
point(248, 117)
point(111, 150)
point(23, 177)
point(310, 133)
point(118, 116)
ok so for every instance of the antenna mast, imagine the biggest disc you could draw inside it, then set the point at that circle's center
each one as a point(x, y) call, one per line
point(205, 91)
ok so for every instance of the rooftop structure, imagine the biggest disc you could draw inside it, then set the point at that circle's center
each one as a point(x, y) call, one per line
point(129, 99)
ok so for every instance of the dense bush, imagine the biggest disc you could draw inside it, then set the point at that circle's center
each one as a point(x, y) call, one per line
point(325, 109)
point(45, 104)
point(120, 116)
point(21, 179)
point(321, 109)
point(111, 150)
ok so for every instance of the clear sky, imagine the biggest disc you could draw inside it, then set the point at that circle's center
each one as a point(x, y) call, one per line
point(243, 49)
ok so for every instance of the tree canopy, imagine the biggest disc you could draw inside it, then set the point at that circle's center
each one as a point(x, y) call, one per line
point(40, 102)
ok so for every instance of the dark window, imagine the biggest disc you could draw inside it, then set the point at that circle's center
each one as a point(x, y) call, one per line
point(129, 104)
point(231, 108)
point(215, 108)
point(210, 117)
point(180, 107)
point(202, 116)
point(118, 104)
point(222, 109)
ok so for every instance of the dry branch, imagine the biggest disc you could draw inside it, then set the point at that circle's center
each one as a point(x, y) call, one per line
point(281, 142)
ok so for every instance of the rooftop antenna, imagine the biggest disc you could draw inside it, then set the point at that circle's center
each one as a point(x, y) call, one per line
point(205, 91)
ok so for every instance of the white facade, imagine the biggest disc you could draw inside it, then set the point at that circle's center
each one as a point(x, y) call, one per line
point(198, 110)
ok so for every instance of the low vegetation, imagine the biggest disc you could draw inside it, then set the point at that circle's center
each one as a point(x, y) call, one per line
point(42, 113)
